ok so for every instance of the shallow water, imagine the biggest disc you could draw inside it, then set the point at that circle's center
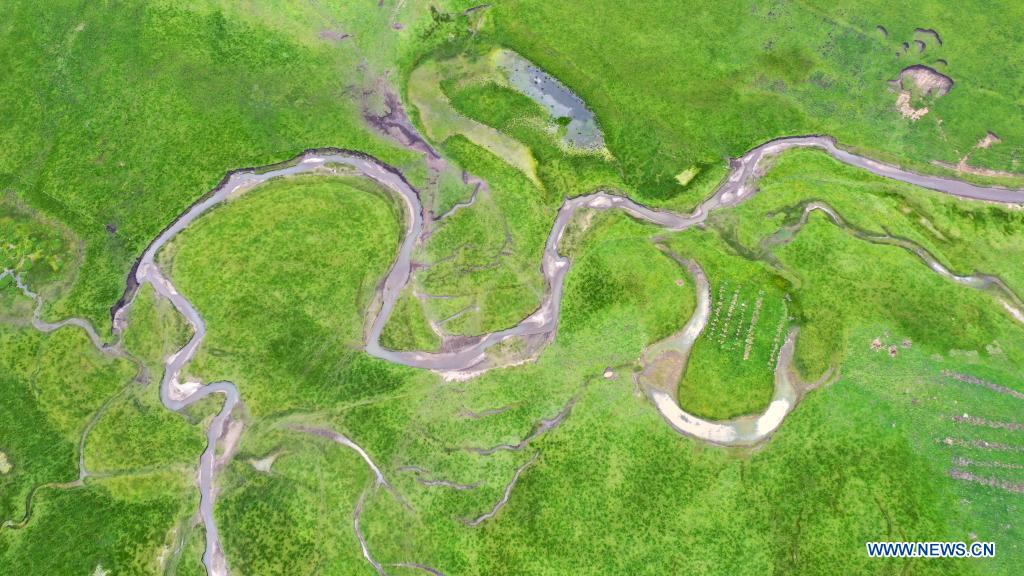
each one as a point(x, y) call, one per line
point(544, 89)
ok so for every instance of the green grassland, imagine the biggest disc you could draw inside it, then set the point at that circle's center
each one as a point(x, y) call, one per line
point(732, 365)
point(36, 454)
point(613, 481)
point(486, 255)
point(74, 531)
point(615, 489)
point(830, 282)
point(39, 249)
point(614, 484)
point(284, 291)
point(121, 115)
point(408, 328)
point(155, 328)
point(137, 433)
point(869, 283)
point(616, 264)
point(54, 384)
point(297, 518)
point(311, 525)
point(965, 236)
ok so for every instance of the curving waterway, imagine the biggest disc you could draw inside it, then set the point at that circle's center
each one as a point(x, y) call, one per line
point(538, 328)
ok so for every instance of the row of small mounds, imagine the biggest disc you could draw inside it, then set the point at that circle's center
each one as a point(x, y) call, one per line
point(921, 38)
point(877, 344)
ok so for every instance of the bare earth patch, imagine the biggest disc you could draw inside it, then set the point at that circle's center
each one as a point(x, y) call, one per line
point(264, 464)
point(921, 80)
point(925, 80)
point(985, 423)
point(229, 441)
point(989, 140)
point(966, 168)
point(904, 108)
point(333, 35)
point(5, 465)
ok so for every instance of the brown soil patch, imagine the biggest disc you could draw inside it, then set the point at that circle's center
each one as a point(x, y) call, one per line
point(333, 36)
point(964, 462)
point(982, 445)
point(908, 111)
point(989, 139)
point(924, 80)
point(985, 423)
point(920, 80)
point(967, 169)
point(664, 372)
point(968, 379)
point(264, 464)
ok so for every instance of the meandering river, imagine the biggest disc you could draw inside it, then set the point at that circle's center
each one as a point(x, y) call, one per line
point(540, 326)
